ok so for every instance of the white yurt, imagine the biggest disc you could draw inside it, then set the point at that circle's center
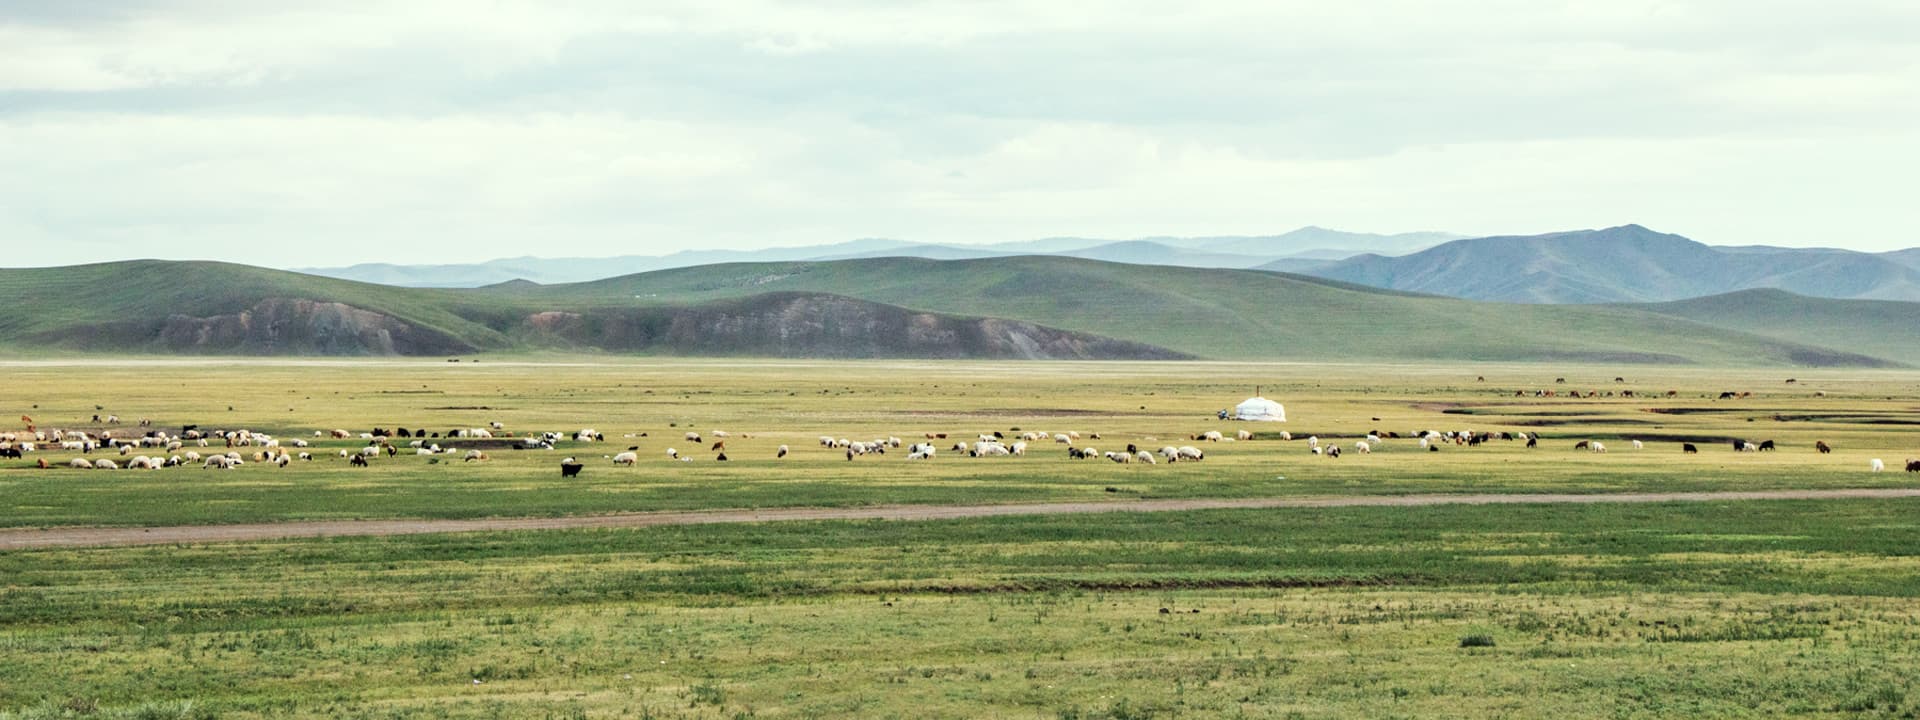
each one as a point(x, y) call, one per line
point(1260, 409)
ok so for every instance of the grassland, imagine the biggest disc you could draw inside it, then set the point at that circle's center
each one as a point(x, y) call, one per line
point(1763, 609)
point(1727, 609)
point(793, 403)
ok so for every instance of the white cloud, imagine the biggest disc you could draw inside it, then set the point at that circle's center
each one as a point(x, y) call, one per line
point(440, 130)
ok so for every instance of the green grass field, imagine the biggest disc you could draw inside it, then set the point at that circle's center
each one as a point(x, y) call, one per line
point(1726, 609)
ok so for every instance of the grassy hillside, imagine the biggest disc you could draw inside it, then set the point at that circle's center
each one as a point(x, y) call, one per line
point(1624, 264)
point(1874, 327)
point(125, 306)
point(1014, 307)
point(221, 308)
point(1237, 314)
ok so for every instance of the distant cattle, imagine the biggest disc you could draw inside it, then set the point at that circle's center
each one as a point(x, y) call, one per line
point(1688, 448)
point(1822, 446)
point(571, 469)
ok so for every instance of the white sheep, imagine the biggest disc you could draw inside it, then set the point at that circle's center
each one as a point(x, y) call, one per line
point(692, 436)
point(1597, 446)
point(1363, 448)
point(83, 464)
point(1284, 435)
point(781, 453)
point(1189, 453)
point(1019, 449)
point(1146, 457)
point(1637, 445)
point(1877, 465)
point(1211, 436)
point(1119, 457)
point(672, 453)
point(626, 458)
point(1313, 441)
point(105, 464)
point(1243, 435)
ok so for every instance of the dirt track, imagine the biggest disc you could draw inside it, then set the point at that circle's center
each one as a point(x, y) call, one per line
point(22, 539)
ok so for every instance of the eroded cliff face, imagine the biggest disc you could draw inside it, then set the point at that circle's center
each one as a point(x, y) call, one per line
point(292, 326)
point(815, 325)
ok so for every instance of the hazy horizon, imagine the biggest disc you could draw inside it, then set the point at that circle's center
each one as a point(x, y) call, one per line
point(427, 132)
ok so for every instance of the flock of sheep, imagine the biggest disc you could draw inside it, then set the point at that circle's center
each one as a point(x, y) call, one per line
point(185, 448)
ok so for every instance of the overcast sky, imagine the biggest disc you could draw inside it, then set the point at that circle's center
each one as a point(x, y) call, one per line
point(468, 130)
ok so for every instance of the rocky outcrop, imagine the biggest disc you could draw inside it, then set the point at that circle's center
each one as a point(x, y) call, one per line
point(821, 326)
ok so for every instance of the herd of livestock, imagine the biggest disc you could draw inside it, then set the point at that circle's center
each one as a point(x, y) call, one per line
point(153, 449)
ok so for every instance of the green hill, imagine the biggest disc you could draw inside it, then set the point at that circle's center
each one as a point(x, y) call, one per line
point(1227, 314)
point(1883, 328)
point(221, 308)
point(1013, 307)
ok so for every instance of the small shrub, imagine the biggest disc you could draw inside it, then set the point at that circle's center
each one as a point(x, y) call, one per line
point(1477, 640)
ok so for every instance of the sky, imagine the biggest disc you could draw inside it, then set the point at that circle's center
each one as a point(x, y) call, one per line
point(466, 130)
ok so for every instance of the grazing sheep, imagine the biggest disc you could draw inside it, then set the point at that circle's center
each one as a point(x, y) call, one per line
point(1019, 449)
point(1333, 451)
point(722, 457)
point(1913, 465)
point(1363, 448)
point(105, 464)
point(627, 458)
point(1766, 445)
point(1822, 446)
point(782, 452)
point(1749, 447)
point(692, 437)
point(1599, 448)
point(570, 469)
point(358, 461)
point(1688, 449)
point(1146, 457)
point(1637, 445)
point(80, 464)
point(1243, 435)
point(1211, 436)
point(473, 455)
point(1119, 457)
point(1189, 453)
point(1582, 445)
point(306, 456)
point(1284, 435)
point(1876, 465)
